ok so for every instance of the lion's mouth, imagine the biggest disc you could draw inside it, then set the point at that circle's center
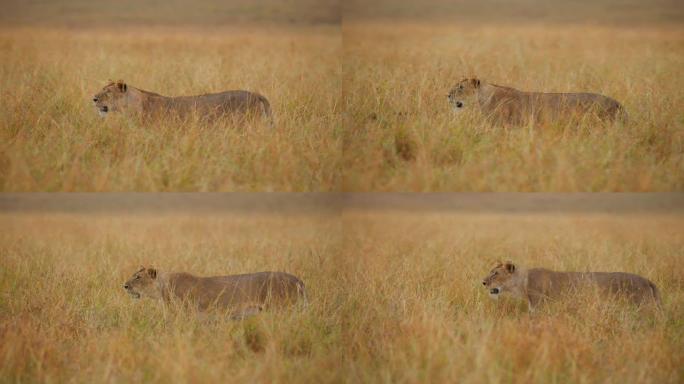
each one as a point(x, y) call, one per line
point(135, 295)
point(104, 109)
point(494, 292)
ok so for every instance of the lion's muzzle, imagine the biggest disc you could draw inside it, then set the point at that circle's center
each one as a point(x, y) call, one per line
point(456, 105)
point(494, 293)
point(130, 291)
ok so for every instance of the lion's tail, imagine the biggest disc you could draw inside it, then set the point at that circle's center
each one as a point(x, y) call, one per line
point(622, 114)
point(266, 110)
point(301, 292)
point(656, 294)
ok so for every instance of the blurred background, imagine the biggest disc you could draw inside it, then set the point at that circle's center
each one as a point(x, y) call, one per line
point(337, 203)
point(216, 12)
point(519, 11)
point(169, 12)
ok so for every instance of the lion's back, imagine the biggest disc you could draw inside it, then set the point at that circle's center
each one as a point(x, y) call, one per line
point(231, 100)
point(260, 288)
point(264, 285)
point(512, 106)
point(549, 283)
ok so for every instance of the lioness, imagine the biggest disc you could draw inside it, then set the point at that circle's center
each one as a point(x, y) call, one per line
point(120, 97)
point(240, 295)
point(538, 284)
point(509, 106)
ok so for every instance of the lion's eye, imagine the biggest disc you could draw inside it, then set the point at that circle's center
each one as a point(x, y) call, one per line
point(460, 87)
point(137, 277)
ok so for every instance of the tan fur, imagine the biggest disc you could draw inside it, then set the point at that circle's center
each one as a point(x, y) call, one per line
point(120, 97)
point(240, 295)
point(537, 285)
point(509, 106)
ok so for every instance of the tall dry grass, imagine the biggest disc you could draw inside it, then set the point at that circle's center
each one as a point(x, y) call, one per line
point(394, 297)
point(416, 311)
point(53, 140)
point(64, 316)
point(400, 134)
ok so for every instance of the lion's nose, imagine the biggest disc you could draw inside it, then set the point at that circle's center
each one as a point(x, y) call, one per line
point(126, 286)
point(95, 99)
point(484, 283)
point(459, 104)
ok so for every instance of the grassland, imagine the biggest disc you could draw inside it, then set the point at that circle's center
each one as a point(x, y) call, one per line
point(53, 140)
point(417, 312)
point(395, 295)
point(359, 107)
point(64, 316)
point(401, 136)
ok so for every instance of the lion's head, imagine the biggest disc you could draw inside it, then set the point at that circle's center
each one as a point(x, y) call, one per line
point(463, 94)
point(503, 278)
point(143, 283)
point(111, 98)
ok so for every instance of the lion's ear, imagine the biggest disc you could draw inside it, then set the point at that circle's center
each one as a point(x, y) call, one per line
point(510, 267)
point(121, 86)
point(152, 272)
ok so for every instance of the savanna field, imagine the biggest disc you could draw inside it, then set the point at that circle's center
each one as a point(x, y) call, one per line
point(358, 92)
point(53, 139)
point(384, 306)
point(418, 313)
point(64, 315)
point(401, 135)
